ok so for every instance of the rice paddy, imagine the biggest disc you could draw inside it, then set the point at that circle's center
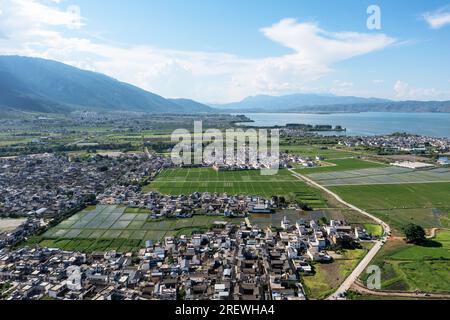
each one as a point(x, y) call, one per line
point(187, 181)
point(111, 227)
point(385, 175)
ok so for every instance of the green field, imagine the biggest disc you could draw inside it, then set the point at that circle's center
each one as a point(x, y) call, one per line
point(328, 276)
point(111, 227)
point(408, 267)
point(316, 150)
point(377, 175)
point(399, 204)
point(341, 165)
point(187, 181)
point(374, 230)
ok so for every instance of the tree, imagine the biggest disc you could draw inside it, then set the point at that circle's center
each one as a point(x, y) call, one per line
point(89, 198)
point(414, 233)
point(324, 220)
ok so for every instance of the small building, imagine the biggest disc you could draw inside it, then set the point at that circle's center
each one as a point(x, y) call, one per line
point(443, 161)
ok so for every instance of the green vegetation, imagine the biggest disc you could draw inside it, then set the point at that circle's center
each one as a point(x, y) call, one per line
point(137, 210)
point(4, 287)
point(187, 181)
point(342, 165)
point(328, 152)
point(414, 233)
point(399, 204)
point(407, 267)
point(328, 276)
point(374, 230)
point(378, 175)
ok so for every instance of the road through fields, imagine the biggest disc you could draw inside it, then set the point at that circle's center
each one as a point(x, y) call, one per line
point(345, 286)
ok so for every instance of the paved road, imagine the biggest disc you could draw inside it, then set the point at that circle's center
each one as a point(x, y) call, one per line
point(346, 285)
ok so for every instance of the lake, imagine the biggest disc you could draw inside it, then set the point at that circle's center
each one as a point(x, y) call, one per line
point(364, 124)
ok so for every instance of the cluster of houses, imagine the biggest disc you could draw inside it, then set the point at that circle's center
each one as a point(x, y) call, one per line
point(399, 143)
point(25, 229)
point(283, 161)
point(51, 184)
point(304, 161)
point(306, 130)
point(229, 262)
point(184, 206)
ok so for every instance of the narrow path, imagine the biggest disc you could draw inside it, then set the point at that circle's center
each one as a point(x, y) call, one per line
point(345, 286)
point(434, 231)
point(360, 288)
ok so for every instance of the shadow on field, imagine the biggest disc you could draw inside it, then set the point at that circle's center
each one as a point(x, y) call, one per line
point(430, 244)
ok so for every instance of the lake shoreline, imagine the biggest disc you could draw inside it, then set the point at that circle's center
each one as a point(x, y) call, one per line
point(363, 123)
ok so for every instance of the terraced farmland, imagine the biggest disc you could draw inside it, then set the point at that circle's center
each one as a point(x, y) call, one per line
point(187, 181)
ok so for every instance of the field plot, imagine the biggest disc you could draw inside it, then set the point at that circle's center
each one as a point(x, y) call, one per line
point(187, 181)
point(111, 227)
point(317, 150)
point(408, 267)
point(425, 204)
point(386, 175)
point(327, 277)
point(340, 165)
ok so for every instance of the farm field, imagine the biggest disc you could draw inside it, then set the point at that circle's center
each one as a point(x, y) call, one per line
point(403, 196)
point(399, 204)
point(381, 175)
point(407, 267)
point(187, 181)
point(341, 165)
point(374, 230)
point(328, 276)
point(317, 150)
point(111, 227)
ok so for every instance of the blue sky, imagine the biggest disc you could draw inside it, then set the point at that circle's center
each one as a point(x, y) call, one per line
point(225, 50)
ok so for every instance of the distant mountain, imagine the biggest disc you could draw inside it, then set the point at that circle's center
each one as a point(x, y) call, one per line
point(391, 106)
point(192, 106)
point(328, 103)
point(263, 102)
point(38, 85)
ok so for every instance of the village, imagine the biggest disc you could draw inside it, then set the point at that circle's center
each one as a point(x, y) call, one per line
point(399, 143)
point(49, 184)
point(228, 262)
point(228, 259)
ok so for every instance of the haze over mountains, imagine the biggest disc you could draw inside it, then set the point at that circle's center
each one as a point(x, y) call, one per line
point(328, 103)
point(295, 100)
point(38, 85)
point(45, 86)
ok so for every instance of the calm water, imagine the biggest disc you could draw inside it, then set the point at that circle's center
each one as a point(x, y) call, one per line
point(364, 124)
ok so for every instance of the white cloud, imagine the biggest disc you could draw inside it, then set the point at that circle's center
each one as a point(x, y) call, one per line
point(315, 46)
point(35, 28)
point(405, 92)
point(438, 19)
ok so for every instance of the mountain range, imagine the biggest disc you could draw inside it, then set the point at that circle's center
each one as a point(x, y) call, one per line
point(46, 86)
point(292, 101)
point(38, 85)
point(328, 103)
